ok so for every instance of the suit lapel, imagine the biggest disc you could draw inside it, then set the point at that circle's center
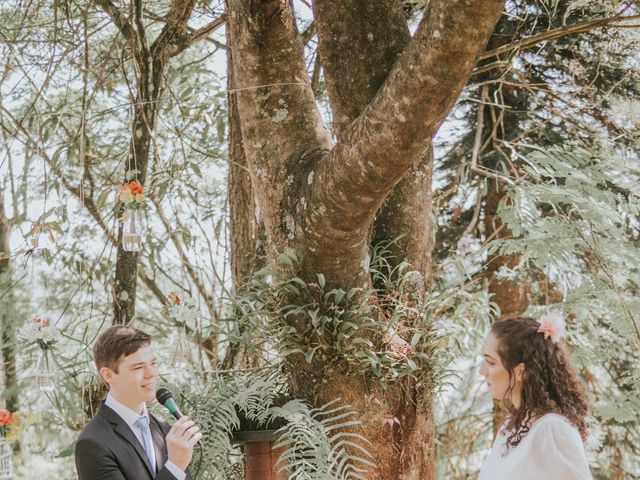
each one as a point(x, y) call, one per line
point(122, 429)
point(159, 443)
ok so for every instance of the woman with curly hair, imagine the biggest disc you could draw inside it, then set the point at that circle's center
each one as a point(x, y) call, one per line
point(527, 368)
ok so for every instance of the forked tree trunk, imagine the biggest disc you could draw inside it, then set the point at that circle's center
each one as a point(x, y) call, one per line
point(319, 199)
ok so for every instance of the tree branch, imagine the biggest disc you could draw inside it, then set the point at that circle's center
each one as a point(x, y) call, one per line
point(119, 19)
point(382, 143)
point(557, 33)
point(374, 33)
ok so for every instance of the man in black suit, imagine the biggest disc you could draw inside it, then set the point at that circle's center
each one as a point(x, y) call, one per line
point(123, 441)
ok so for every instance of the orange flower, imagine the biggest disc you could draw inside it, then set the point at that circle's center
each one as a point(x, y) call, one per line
point(172, 297)
point(136, 187)
point(6, 417)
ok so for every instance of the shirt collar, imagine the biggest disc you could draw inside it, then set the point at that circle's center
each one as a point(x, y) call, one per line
point(129, 416)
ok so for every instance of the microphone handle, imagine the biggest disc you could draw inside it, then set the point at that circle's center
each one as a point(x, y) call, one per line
point(176, 414)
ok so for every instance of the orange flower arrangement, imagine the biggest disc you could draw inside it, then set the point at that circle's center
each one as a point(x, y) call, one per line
point(173, 298)
point(6, 417)
point(135, 187)
point(131, 194)
point(6, 420)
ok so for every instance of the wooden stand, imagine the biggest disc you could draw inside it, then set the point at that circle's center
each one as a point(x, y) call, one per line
point(261, 459)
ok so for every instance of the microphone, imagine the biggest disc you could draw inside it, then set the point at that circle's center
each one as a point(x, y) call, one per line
point(165, 398)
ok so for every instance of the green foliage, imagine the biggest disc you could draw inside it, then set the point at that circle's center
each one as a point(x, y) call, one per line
point(360, 331)
point(318, 443)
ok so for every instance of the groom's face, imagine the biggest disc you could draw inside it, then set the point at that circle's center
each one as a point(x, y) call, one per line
point(135, 380)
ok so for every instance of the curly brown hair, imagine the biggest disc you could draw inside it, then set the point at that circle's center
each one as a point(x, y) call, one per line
point(550, 384)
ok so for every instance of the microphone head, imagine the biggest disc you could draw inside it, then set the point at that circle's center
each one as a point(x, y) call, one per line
point(165, 398)
point(162, 395)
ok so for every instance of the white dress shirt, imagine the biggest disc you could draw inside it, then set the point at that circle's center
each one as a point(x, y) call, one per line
point(130, 417)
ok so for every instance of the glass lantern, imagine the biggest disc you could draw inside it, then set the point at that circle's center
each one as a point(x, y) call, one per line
point(132, 231)
point(180, 353)
point(6, 460)
point(45, 371)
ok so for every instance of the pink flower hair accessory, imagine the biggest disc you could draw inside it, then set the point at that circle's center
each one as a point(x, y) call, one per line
point(552, 326)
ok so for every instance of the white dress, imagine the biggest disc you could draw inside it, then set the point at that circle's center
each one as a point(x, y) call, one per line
point(551, 450)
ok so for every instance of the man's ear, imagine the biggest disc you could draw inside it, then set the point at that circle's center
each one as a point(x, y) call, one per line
point(107, 375)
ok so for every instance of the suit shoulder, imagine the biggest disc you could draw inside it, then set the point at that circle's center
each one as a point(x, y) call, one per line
point(95, 428)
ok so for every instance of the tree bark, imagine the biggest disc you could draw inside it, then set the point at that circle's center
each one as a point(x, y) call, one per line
point(245, 226)
point(243, 217)
point(359, 42)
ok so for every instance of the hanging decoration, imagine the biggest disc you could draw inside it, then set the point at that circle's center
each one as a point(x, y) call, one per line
point(183, 314)
point(45, 335)
point(6, 453)
point(130, 201)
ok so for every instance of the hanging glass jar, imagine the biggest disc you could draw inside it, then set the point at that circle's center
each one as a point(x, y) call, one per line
point(132, 230)
point(180, 353)
point(6, 460)
point(45, 371)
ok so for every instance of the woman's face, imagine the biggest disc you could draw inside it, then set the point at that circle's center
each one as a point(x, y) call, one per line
point(496, 375)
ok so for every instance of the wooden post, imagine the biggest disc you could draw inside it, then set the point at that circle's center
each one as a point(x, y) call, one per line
point(260, 456)
point(261, 461)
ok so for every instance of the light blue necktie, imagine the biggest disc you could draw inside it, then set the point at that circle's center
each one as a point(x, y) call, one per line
point(143, 425)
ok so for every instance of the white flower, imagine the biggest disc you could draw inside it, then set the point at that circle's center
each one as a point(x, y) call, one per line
point(33, 332)
point(49, 334)
point(183, 314)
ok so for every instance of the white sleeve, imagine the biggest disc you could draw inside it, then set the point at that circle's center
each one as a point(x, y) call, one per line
point(175, 470)
point(557, 450)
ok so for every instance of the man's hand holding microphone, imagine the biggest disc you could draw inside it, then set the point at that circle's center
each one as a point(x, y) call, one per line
point(184, 434)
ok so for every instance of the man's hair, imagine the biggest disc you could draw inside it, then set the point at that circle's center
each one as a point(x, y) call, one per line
point(117, 342)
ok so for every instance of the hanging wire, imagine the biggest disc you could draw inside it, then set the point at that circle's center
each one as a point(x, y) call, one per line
point(82, 158)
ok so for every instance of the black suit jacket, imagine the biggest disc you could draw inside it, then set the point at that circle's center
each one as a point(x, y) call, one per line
point(107, 449)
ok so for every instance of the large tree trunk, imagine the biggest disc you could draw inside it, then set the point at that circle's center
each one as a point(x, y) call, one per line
point(319, 199)
point(245, 226)
point(358, 44)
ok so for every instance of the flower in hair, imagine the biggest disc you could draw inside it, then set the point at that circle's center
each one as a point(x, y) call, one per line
point(552, 326)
